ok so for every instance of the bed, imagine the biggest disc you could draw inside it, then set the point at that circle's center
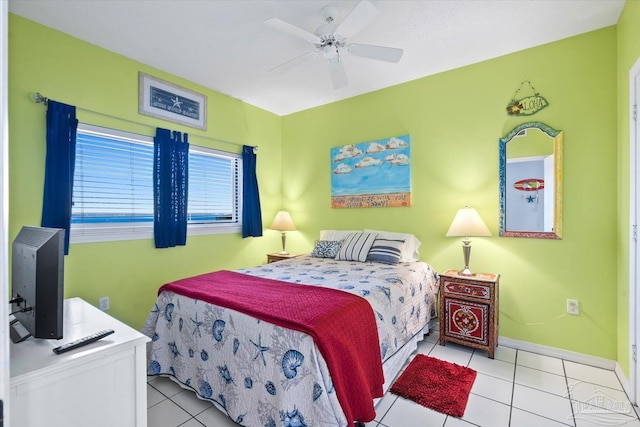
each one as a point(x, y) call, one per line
point(261, 373)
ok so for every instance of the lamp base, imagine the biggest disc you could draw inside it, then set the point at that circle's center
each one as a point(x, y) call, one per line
point(284, 242)
point(466, 272)
point(466, 250)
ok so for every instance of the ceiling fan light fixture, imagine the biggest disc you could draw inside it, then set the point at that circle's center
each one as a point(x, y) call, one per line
point(330, 51)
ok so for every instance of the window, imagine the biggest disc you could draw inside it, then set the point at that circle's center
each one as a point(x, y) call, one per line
point(113, 188)
point(215, 182)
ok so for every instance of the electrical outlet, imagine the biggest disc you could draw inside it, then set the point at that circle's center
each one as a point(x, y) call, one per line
point(572, 306)
point(104, 303)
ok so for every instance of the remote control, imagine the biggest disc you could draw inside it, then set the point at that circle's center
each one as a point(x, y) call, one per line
point(82, 341)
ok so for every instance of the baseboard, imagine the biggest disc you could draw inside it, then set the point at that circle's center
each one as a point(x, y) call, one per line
point(572, 356)
point(622, 377)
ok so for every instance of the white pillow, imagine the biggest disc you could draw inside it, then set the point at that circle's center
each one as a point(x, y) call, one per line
point(409, 249)
point(355, 247)
point(336, 234)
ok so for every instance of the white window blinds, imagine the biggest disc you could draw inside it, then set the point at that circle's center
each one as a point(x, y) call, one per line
point(214, 185)
point(113, 188)
point(112, 180)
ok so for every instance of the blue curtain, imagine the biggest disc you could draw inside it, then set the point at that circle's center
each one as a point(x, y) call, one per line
point(60, 160)
point(171, 179)
point(251, 214)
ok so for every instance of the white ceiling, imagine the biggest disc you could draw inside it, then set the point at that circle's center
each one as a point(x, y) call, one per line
point(225, 46)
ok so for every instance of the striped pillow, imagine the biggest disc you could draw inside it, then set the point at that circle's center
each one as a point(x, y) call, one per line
point(386, 251)
point(356, 247)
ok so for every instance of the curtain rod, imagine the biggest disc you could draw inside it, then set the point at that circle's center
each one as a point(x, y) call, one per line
point(40, 99)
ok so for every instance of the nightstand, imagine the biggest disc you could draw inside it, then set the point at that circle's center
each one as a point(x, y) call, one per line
point(469, 309)
point(279, 257)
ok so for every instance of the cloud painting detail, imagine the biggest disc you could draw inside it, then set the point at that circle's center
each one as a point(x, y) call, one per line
point(372, 174)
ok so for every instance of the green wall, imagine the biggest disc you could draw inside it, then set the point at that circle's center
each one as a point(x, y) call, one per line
point(455, 120)
point(74, 72)
point(628, 50)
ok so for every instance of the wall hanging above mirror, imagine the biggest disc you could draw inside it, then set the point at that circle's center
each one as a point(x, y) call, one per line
point(528, 105)
point(531, 182)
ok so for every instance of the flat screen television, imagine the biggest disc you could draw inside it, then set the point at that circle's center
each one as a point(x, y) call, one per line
point(37, 283)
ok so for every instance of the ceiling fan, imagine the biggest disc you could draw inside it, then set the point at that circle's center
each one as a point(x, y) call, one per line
point(330, 40)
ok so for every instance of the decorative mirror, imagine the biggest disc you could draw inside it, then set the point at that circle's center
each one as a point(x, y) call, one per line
point(531, 182)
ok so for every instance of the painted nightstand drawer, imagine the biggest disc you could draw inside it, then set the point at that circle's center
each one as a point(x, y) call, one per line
point(454, 287)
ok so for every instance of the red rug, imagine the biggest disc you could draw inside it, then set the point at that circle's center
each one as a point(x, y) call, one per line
point(436, 384)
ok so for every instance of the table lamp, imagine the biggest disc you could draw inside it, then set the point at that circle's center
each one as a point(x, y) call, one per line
point(283, 223)
point(467, 223)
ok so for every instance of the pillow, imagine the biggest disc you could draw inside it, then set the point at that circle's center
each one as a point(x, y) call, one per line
point(355, 247)
point(336, 234)
point(326, 248)
point(409, 249)
point(386, 251)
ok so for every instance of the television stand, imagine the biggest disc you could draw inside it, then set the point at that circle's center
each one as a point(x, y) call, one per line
point(102, 384)
point(17, 331)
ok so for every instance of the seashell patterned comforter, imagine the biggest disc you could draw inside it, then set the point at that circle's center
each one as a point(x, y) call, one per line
point(260, 374)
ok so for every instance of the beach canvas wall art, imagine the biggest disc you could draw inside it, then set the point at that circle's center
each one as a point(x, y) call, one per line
point(372, 174)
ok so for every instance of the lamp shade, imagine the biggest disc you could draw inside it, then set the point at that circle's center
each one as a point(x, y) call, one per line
point(467, 223)
point(283, 222)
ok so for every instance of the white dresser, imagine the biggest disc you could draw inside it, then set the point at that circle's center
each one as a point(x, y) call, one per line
point(102, 384)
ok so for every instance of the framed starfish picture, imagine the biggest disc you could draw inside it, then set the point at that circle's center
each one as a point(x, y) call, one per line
point(164, 100)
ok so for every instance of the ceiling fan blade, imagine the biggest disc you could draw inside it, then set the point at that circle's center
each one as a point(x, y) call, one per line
point(381, 53)
point(362, 15)
point(294, 62)
point(280, 25)
point(338, 76)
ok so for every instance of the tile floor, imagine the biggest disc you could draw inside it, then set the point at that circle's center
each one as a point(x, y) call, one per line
point(517, 389)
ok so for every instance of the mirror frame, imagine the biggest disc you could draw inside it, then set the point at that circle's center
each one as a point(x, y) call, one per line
point(557, 136)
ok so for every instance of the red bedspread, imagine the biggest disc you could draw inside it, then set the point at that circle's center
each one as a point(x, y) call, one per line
point(342, 325)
